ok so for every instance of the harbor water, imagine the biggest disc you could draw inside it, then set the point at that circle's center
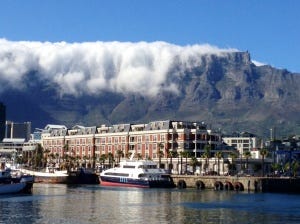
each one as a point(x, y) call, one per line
point(54, 203)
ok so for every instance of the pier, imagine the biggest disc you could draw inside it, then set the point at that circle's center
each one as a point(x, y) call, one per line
point(239, 183)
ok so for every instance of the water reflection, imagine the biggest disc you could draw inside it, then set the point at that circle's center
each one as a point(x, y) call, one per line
point(96, 204)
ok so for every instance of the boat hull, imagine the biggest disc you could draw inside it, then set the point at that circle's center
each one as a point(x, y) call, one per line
point(73, 177)
point(138, 183)
point(17, 185)
point(51, 179)
point(82, 177)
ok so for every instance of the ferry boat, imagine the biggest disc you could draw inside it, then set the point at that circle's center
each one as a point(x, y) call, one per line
point(137, 173)
point(15, 184)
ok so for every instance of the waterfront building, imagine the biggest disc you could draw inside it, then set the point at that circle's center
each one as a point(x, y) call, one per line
point(11, 147)
point(18, 130)
point(244, 142)
point(154, 140)
point(2, 121)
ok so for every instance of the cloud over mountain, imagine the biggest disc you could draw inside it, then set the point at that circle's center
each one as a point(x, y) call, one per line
point(93, 67)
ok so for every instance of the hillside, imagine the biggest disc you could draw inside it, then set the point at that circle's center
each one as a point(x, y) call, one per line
point(228, 92)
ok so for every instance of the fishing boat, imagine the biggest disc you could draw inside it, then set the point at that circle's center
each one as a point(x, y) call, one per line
point(15, 184)
point(137, 173)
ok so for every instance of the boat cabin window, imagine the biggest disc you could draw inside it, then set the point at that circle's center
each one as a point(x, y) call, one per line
point(128, 167)
point(147, 166)
point(117, 174)
point(142, 175)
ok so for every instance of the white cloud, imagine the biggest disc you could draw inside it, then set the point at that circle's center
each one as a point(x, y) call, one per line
point(92, 67)
point(257, 63)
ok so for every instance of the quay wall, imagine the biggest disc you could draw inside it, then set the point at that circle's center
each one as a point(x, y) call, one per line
point(256, 184)
point(213, 182)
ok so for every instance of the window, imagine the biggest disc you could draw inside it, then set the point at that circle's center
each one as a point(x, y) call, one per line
point(123, 139)
point(154, 138)
point(139, 138)
point(147, 138)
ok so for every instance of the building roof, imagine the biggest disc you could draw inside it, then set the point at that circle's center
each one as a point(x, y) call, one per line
point(14, 140)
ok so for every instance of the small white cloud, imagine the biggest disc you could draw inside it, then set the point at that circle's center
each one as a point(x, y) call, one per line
point(257, 63)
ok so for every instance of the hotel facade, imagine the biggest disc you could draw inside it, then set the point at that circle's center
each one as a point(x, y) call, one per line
point(146, 140)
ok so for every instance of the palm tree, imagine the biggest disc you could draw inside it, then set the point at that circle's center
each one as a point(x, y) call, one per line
point(181, 154)
point(172, 154)
point(233, 156)
point(110, 157)
point(206, 155)
point(66, 148)
point(185, 154)
point(247, 154)
point(276, 167)
point(103, 157)
point(160, 155)
point(295, 167)
point(194, 162)
point(139, 156)
point(219, 155)
point(263, 153)
point(46, 154)
point(119, 154)
point(128, 154)
point(39, 156)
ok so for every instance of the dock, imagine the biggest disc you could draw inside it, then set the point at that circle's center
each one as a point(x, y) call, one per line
point(239, 183)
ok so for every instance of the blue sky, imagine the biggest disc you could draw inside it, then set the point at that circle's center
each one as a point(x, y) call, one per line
point(268, 29)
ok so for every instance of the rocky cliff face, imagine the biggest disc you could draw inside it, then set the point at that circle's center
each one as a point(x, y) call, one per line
point(227, 92)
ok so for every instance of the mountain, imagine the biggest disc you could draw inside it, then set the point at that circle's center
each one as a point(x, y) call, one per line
point(227, 92)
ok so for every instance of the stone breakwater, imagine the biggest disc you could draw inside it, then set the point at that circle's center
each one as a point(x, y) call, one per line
point(255, 184)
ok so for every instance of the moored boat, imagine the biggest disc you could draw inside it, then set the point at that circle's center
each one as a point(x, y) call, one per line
point(15, 184)
point(55, 176)
point(50, 175)
point(137, 173)
point(82, 176)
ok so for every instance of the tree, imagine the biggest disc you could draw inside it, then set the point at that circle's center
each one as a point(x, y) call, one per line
point(263, 153)
point(103, 157)
point(172, 154)
point(206, 155)
point(160, 155)
point(139, 156)
point(110, 157)
point(247, 154)
point(276, 167)
point(233, 156)
point(185, 154)
point(119, 155)
point(39, 156)
point(194, 162)
point(295, 167)
point(219, 155)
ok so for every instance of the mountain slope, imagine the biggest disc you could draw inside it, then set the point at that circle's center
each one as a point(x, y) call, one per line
point(227, 92)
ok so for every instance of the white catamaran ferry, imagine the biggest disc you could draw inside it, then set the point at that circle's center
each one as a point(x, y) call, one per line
point(137, 173)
